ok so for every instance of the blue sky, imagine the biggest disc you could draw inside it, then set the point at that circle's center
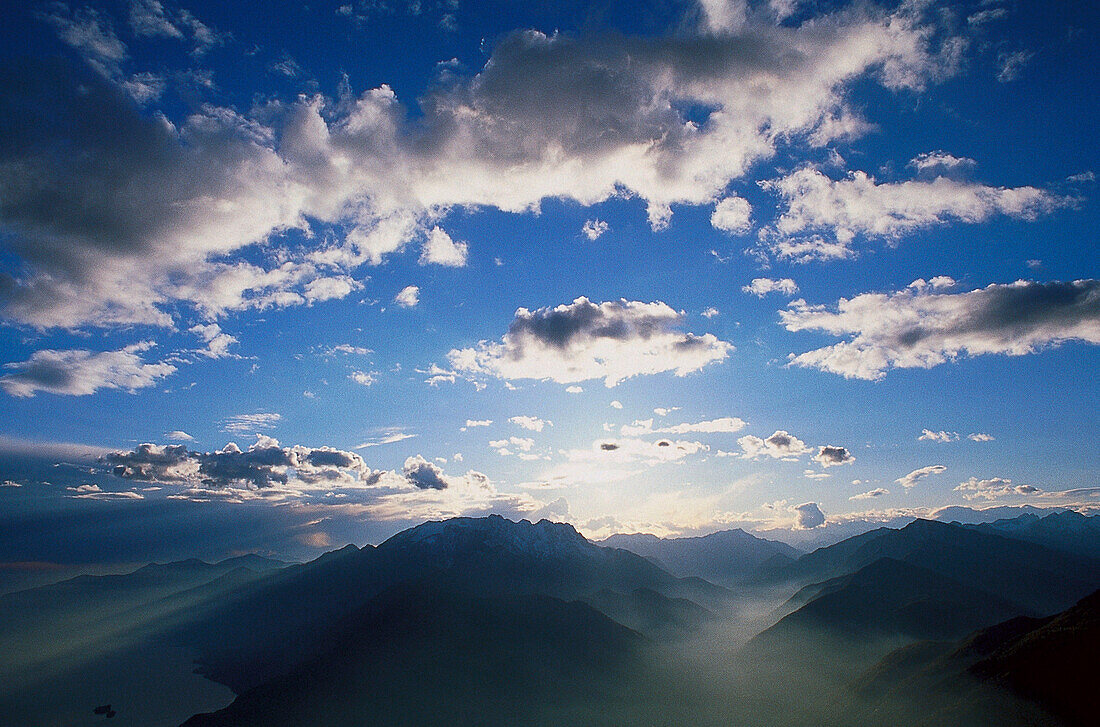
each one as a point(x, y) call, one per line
point(804, 268)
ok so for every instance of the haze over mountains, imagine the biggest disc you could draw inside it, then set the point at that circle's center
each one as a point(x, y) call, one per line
point(489, 621)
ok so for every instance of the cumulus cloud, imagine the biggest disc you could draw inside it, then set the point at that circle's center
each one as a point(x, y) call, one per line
point(440, 249)
point(711, 312)
point(732, 214)
point(829, 456)
point(470, 423)
point(991, 489)
point(583, 340)
point(927, 435)
point(920, 328)
point(914, 477)
point(265, 464)
point(523, 444)
point(980, 437)
point(762, 286)
point(364, 378)
point(80, 372)
point(424, 474)
point(217, 341)
point(808, 516)
point(780, 445)
point(534, 424)
point(574, 389)
point(157, 212)
point(817, 205)
point(592, 229)
point(408, 297)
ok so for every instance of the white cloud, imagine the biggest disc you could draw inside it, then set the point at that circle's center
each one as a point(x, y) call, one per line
point(217, 341)
point(389, 437)
point(664, 411)
point(808, 516)
point(710, 312)
point(917, 328)
point(471, 423)
point(585, 340)
point(980, 437)
point(1011, 64)
point(574, 390)
point(524, 444)
point(858, 205)
point(928, 435)
point(132, 211)
point(440, 249)
point(914, 477)
point(179, 436)
point(709, 426)
point(534, 424)
point(870, 494)
point(780, 445)
point(991, 489)
point(364, 378)
point(762, 286)
point(408, 297)
point(251, 423)
point(732, 214)
point(616, 404)
point(592, 229)
point(79, 372)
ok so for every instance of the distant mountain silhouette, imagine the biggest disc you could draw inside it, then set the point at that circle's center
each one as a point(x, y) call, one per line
point(727, 557)
point(1067, 531)
point(1041, 580)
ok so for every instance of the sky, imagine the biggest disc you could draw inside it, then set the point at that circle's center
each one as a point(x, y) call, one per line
point(277, 279)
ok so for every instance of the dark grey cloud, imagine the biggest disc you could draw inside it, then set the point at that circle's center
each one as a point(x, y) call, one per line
point(829, 456)
point(79, 372)
point(424, 475)
point(808, 516)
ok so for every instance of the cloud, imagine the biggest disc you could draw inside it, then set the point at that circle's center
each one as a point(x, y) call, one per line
point(408, 297)
point(616, 404)
point(90, 491)
point(780, 445)
point(911, 479)
point(919, 328)
point(583, 340)
point(828, 456)
point(732, 214)
point(523, 444)
point(251, 423)
point(858, 205)
point(991, 489)
point(533, 424)
point(217, 341)
point(179, 436)
point(709, 426)
point(389, 438)
point(79, 372)
point(870, 494)
point(808, 516)
point(710, 312)
point(927, 435)
point(470, 423)
point(574, 390)
point(762, 286)
point(265, 464)
point(980, 437)
point(122, 229)
point(364, 378)
point(592, 229)
point(423, 474)
point(440, 249)
point(1012, 64)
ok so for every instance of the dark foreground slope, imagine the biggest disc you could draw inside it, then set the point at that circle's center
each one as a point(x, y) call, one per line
point(424, 656)
point(1024, 671)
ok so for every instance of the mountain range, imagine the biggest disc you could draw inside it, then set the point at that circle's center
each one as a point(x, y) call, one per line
point(489, 621)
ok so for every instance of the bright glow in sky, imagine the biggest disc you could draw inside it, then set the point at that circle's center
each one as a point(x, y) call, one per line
point(283, 277)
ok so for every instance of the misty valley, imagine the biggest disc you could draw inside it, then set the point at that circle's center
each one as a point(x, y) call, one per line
point(483, 621)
